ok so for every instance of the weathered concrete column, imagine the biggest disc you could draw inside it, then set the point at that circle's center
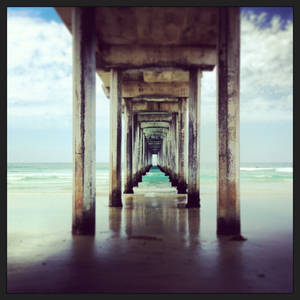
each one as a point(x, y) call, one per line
point(135, 149)
point(159, 156)
point(228, 112)
point(84, 120)
point(194, 139)
point(143, 154)
point(128, 187)
point(181, 186)
point(115, 139)
point(140, 155)
point(173, 148)
point(137, 154)
point(167, 167)
point(167, 153)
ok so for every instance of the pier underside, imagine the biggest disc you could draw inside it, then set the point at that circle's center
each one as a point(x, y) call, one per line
point(150, 61)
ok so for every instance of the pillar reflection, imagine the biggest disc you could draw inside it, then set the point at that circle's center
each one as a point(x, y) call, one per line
point(115, 219)
point(158, 217)
point(194, 226)
point(231, 264)
point(128, 210)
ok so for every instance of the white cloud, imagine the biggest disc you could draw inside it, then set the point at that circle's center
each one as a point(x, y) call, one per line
point(266, 69)
point(40, 74)
point(266, 72)
point(39, 83)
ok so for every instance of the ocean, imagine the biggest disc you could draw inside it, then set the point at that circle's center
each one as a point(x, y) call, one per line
point(266, 192)
point(57, 177)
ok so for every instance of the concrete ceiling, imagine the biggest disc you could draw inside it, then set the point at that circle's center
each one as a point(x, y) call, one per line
point(152, 26)
point(154, 46)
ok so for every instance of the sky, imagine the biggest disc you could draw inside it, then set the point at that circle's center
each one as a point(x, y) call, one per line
point(39, 89)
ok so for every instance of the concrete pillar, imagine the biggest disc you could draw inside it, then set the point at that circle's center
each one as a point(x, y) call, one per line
point(128, 187)
point(194, 139)
point(228, 112)
point(143, 154)
point(169, 152)
point(173, 148)
point(115, 139)
point(140, 148)
point(162, 154)
point(166, 153)
point(138, 154)
point(135, 149)
point(84, 120)
point(181, 185)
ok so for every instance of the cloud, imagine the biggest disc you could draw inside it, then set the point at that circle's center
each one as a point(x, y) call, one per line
point(39, 83)
point(266, 78)
point(266, 69)
point(40, 73)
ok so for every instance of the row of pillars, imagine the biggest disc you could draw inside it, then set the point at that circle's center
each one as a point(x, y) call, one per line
point(138, 164)
point(84, 151)
point(171, 156)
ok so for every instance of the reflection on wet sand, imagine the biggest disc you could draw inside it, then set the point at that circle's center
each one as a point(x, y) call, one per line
point(115, 218)
point(153, 244)
point(156, 218)
point(229, 260)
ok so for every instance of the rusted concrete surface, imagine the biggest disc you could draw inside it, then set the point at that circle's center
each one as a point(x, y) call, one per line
point(84, 122)
point(128, 187)
point(181, 158)
point(194, 139)
point(115, 140)
point(228, 122)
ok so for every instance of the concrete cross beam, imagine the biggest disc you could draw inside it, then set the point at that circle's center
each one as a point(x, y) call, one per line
point(147, 124)
point(165, 107)
point(156, 90)
point(141, 56)
point(153, 117)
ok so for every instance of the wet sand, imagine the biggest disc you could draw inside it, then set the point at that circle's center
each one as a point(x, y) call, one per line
point(151, 245)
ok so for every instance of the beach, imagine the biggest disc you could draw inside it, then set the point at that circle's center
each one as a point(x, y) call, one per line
point(153, 244)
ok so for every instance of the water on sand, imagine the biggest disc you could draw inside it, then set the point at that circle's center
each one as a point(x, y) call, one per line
point(153, 244)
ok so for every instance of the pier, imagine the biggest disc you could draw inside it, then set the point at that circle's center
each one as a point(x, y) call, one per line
point(151, 61)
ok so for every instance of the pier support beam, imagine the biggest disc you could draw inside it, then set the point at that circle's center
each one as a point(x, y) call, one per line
point(136, 155)
point(140, 153)
point(84, 120)
point(173, 148)
point(181, 186)
point(128, 187)
point(115, 138)
point(194, 139)
point(228, 113)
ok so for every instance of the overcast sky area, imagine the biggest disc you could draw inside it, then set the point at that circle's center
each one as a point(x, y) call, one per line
point(39, 89)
